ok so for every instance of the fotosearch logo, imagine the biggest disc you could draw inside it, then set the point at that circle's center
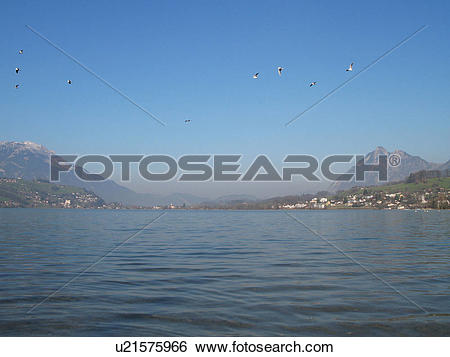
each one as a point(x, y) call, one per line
point(191, 168)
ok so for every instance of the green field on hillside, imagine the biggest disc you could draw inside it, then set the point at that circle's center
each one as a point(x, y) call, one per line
point(442, 182)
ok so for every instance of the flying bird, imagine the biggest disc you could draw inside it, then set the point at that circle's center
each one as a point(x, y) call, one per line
point(279, 70)
point(69, 82)
point(187, 121)
point(17, 69)
point(350, 68)
point(256, 75)
point(21, 52)
point(17, 86)
point(312, 84)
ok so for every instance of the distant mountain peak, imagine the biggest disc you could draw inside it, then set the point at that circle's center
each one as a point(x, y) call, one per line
point(409, 164)
point(379, 150)
point(401, 153)
point(33, 145)
point(26, 145)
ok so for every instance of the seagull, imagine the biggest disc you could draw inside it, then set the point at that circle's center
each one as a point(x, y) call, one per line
point(69, 82)
point(312, 84)
point(17, 86)
point(350, 68)
point(21, 52)
point(17, 69)
point(279, 70)
point(187, 121)
point(256, 75)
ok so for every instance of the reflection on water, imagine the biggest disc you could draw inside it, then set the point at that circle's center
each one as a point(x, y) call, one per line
point(213, 273)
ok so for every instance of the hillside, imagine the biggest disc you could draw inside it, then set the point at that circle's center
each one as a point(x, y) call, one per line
point(428, 193)
point(21, 193)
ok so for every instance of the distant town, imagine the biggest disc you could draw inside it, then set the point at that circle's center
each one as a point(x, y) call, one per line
point(421, 190)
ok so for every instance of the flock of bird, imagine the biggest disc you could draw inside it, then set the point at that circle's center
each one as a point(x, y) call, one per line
point(187, 121)
point(280, 69)
point(18, 70)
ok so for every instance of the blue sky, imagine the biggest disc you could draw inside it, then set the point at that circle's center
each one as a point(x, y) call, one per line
point(194, 60)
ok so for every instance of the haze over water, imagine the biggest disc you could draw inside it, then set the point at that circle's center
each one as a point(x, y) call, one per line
point(211, 273)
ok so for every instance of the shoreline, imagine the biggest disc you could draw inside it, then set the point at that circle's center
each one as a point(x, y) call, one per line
point(235, 209)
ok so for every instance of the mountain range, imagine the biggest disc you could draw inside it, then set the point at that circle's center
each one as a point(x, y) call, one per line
point(408, 164)
point(31, 161)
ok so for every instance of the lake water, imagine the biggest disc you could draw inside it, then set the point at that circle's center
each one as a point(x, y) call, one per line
point(214, 273)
